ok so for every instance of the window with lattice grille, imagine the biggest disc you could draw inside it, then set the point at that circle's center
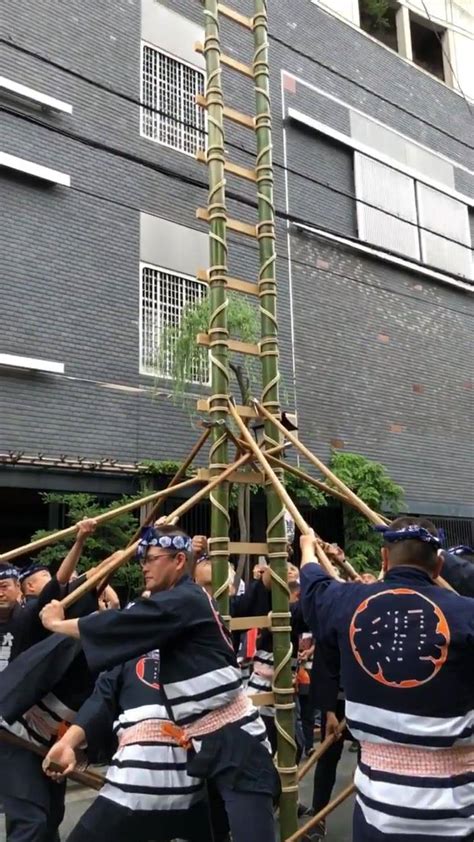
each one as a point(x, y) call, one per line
point(169, 114)
point(164, 295)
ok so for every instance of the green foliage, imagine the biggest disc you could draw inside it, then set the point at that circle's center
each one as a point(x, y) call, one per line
point(371, 482)
point(111, 536)
point(188, 360)
point(163, 467)
point(303, 493)
point(375, 14)
point(300, 492)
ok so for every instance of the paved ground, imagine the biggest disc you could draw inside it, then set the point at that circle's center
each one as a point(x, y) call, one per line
point(339, 824)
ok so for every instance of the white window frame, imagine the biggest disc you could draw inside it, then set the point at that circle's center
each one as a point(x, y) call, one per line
point(18, 91)
point(182, 276)
point(144, 43)
point(31, 364)
point(30, 168)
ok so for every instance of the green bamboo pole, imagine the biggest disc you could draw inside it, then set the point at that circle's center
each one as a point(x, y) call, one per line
point(276, 538)
point(218, 331)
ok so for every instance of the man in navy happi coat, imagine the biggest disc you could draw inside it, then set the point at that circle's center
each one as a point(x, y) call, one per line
point(406, 649)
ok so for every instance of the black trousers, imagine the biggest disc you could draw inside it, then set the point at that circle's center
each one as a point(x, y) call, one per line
point(249, 815)
point(308, 715)
point(326, 767)
point(106, 820)
point(33, 803)
point(29, 822)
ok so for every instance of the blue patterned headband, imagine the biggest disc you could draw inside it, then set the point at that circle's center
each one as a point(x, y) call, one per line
point(31, 570)
point(151, 537)
point(410, 533)
point(8, 573)
point(461, 549)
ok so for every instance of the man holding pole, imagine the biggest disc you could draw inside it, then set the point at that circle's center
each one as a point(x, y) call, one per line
point(406, 652)
point(199, 676)
point(34, 807)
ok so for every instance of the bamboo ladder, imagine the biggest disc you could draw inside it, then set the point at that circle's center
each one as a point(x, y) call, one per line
point(220, 344)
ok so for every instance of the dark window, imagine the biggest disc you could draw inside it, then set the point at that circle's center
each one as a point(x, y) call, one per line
point(427, 47)
point(378, 18)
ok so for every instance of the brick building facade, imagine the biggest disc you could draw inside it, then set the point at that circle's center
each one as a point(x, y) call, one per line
point(99, 241)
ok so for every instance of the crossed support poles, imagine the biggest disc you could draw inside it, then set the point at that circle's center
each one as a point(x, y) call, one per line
point(263, 457)
point(278, 621)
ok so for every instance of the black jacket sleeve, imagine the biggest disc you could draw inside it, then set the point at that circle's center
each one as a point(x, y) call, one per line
point(254, 602)
point(459, 573)
point(115, 636)
point(98, 713)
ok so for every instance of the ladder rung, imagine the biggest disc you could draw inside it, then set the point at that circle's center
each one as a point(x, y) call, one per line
point(234, 169)
point(242, 20)
point(234, 345)
point(232, 224)
point(247, 548)
point(243, 411)
point(228, 61)
point(230, 114)
point(263, 699)
point(238, 477)
point(245, 623)
point(232, 283)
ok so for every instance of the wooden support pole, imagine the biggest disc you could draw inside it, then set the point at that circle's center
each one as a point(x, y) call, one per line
point(103, 518)
point(96, 576)
point(260, 699)
point(180, 473)
point(339, 799)
point(238, 477)
point(119, 558)
point(345, 565)
point(340, 485)
point(270, 473)
point(93, 780)
point(321, 486)
point(321, 749)
point(353, 499)
point(276, 482)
